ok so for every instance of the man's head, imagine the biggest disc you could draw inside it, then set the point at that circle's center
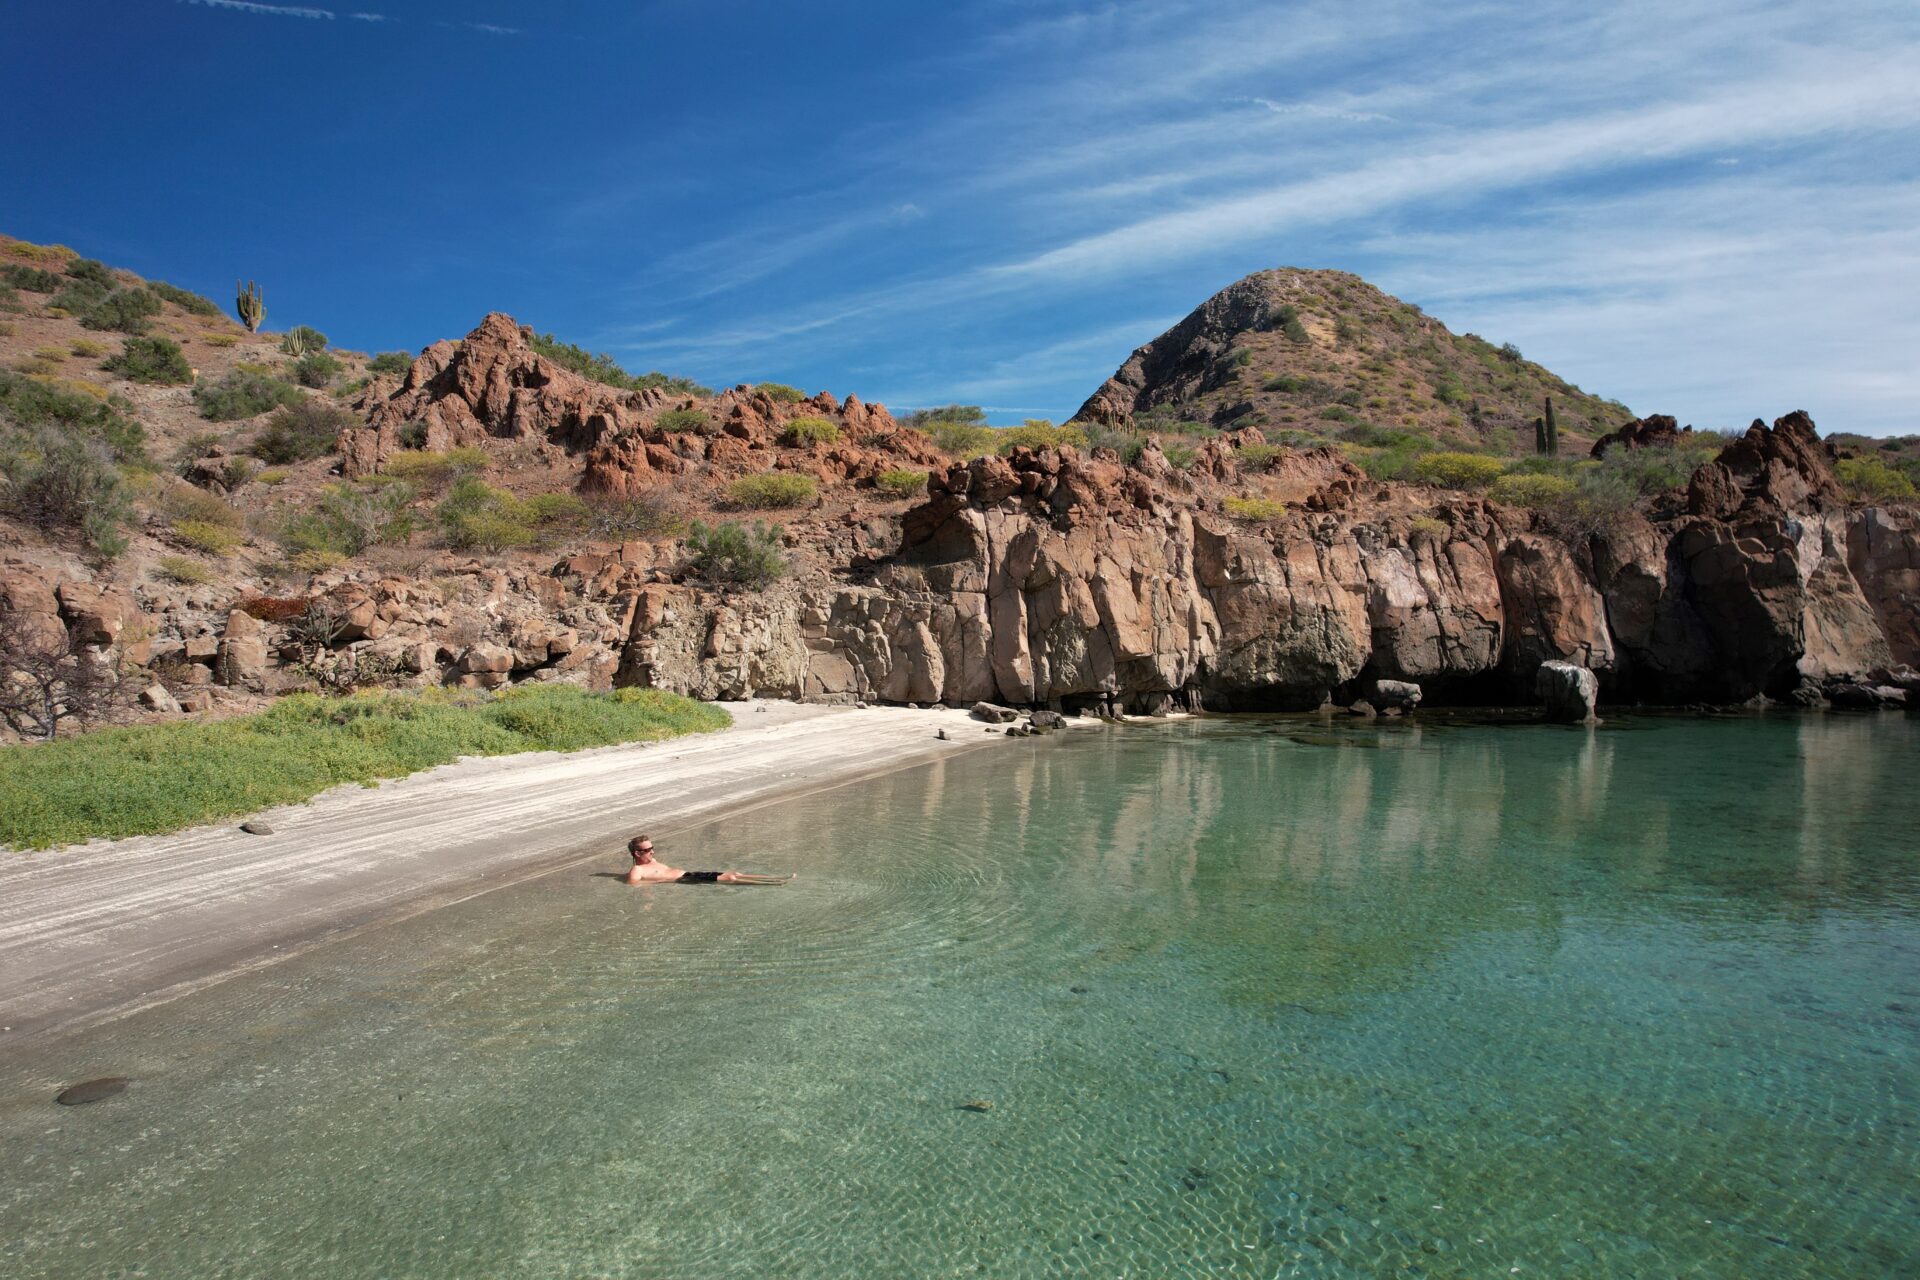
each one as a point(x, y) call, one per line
point(641, 847)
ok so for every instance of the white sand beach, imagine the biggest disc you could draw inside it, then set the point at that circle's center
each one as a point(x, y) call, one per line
point(97, 931)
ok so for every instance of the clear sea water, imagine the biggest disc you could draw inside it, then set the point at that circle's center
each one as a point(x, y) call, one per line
point(1248, 997)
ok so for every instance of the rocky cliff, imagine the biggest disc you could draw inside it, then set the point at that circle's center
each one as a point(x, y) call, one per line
point(1247, 577)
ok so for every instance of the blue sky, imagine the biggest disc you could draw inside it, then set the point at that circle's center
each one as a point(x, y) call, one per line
point(1707, 209)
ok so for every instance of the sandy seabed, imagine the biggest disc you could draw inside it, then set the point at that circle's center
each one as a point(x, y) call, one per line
point(94, 932)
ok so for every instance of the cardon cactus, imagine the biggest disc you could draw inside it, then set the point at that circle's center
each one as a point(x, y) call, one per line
point(251, 308)
point(1553, 432)
point(302, 341)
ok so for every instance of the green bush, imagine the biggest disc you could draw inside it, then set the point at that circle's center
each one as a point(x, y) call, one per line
point(32, 279)
point(87, 348)
point(736, 554)
point(91, 271)
point(203, 535)
point(1255, 456)
point(1255, 509)
point(685, 420)
point(179, 501)
point(927, 419)
point(902, 483)
point(185, 572)
point(301, 430)
point(243, 393)
point(157, 778)
point(153, 360)
point(390, 362)
point(316, 370)
point(1536, 491)
point(60, 458)
point(302, 340)
point(805, 431)
point(1871, 480)
point(604, 368)
point(475, 514)
point(1458, 470)
point(1181, 454)
point(1286, 319)
point(347, 519)
point(1038, 433)
point(126, 310)
point(772, 489)
point(435, 467)
point(967, 439)
point(781, 393)
point(185, 299)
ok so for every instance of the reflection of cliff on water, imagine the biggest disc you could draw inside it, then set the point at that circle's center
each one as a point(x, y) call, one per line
point(1304, 863)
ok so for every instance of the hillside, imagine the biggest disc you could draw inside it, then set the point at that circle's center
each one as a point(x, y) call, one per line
point(1323, 356)
point(223, 516)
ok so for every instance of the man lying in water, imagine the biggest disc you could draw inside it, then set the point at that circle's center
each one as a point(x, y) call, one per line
point(647, 871)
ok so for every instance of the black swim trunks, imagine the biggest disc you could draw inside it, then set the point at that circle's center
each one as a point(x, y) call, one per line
point(699, 877)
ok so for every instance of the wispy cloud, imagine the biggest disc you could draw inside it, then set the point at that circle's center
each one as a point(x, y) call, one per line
point(269, 10)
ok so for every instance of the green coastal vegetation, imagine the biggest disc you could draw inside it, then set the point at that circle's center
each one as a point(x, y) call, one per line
point(150, 779)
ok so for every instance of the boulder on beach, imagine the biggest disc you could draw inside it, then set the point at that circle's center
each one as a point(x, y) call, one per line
point(1570, 693)
point(993, 714)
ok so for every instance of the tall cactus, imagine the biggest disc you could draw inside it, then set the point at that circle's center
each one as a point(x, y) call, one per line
point(251, 308)
point(1553, 432)
point(1540, 436)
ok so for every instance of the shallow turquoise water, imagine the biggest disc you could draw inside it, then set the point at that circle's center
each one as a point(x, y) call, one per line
point(1249, 997)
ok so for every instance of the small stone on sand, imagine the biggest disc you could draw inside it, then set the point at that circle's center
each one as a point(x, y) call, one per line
point(93, 1091)
point(256, 828)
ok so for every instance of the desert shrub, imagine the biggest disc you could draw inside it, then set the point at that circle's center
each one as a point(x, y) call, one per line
point(1286, 319)
point(316, 370)
point(966, 439)
point(926, 419)
point(604, 368)
point(781, 393)
point(475, 514)
point(390, 362)
point(204, 535)
point(1128, 444)
point(91, 271)
point(1038, 433)
point(1181, 454)
point(153, 360)
point(1871, 480)
point(1242, 358)
point(179, 501)
point(685, 420)
point(272, 475)
point(349, 518)
point(32, 279)
point(243, 393)
point(223, 339)
point(902, 483)
point(126, 310)
point(434, 468)
point(187, 573)
point(315, 561)
point(1452, 470)
point(1430, 526)
point(302, 340)
point(185, 299)
point(1536, 491)
point(772, 489)
point(805, 431)
point(1658, 469)
point(87, 348)
point(737, 554)
point(299, 431)
point(1255, 456)
point(40, 252)
point(1255, 509)
point(648, 514)
point(61, 455)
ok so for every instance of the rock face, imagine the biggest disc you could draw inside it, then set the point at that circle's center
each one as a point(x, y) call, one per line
point(1569, 693)
point(1053, 579)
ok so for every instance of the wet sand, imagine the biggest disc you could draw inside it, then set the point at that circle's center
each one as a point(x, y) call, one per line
point(94, 932)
